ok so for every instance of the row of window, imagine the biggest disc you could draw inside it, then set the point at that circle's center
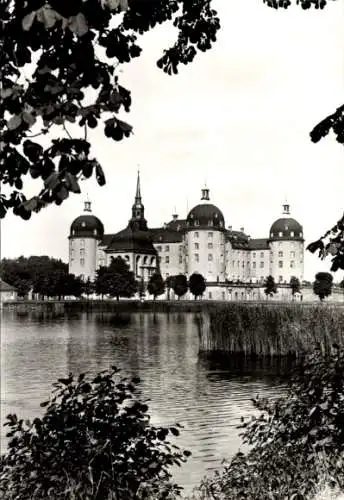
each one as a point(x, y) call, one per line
point(211, 246)
point(280, 234)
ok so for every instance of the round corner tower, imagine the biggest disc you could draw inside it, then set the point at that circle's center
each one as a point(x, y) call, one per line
point(286, 243)
point(205, 226)
point(85, 233)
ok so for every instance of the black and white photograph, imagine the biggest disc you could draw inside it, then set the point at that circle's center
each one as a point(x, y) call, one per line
point(172, 249)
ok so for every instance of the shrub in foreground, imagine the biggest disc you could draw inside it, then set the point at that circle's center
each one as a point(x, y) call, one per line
point(295, 442)
point(95, 441)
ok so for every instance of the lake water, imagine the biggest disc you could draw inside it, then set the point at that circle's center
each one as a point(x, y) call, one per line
point(207, 398)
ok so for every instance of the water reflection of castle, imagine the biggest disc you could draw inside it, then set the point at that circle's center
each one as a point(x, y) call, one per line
point(200, 243)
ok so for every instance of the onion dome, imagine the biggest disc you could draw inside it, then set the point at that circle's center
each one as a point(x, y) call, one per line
point(87, 225)
point(286, 228)
point(205, 215)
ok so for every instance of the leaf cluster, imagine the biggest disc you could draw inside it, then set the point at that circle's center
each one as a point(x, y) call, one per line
point(197, 284)
point(58, 64)
point(156, 285)
point(115, 280)
point(322, 285)
point(94, 441)
point(43, 275)
point(270, 286)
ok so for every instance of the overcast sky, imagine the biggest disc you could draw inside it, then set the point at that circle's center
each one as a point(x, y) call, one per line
point(238, 118)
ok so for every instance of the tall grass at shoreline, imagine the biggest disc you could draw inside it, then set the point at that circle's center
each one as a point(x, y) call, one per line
point(271, 329)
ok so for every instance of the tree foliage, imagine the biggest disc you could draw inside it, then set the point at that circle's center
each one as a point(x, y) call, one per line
point(116, 279)
point(294, 440)
point(197, 285)
point(270, 286)
point(58, 64)
point(156, 285)
point(88, 287)
point(94, 441)
point(322, 285)
point(71, 83)
point(42, 274)
point(295, 285)
point(180, 285)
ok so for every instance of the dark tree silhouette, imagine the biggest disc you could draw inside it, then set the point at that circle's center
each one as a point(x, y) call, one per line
point(156, 285)
point(116, 280)
point(50, 58)
point(270, 286)
point(88, 287)
point(295, 285)
point(322, 286)
point(141, 288)
point(197, 285)
point(42, 274)
point(169, 283)
point(180, 285)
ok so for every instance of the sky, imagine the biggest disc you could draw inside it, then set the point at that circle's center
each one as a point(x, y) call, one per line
point(238, 119)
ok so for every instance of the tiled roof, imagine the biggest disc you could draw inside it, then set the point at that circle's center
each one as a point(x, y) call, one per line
point(258, 244)
point(177, 224)
point(128, 240)
point(5, 287)
point(166, 235)
point(106, 240)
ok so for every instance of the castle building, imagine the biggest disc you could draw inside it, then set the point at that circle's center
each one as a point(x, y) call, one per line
point(200, 243)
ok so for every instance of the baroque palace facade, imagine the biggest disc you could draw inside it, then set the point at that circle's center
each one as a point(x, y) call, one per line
point(233, 264)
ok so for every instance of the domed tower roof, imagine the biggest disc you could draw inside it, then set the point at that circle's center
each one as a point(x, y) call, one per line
point(286, 228)
point(205, 215)
point(87, 225)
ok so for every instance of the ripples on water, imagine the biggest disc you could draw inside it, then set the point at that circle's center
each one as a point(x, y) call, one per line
point(208, 398)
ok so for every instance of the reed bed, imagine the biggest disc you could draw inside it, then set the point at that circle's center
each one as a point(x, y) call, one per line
point(272, 329)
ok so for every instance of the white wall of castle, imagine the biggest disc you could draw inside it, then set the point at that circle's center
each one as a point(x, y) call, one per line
point(171, 258)
point(83, 257)
point(286, 260)
point(205, 254)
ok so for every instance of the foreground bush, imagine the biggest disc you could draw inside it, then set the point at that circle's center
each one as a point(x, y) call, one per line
point(95, 441)
point(295, 442)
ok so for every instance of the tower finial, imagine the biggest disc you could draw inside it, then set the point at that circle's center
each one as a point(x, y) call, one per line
point(286, 208)
point(205, 194)
point(87, 205)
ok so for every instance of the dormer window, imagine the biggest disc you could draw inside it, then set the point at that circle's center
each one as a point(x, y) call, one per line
point(83, 224)
point(196, 222)
point(95, 232)
point(300, 235)
point(271, 235)
point(210, 222)
point(291, 233)
point(280, 234)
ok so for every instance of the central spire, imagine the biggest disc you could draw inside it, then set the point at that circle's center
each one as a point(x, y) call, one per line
point(138, 188)
point(138, 221)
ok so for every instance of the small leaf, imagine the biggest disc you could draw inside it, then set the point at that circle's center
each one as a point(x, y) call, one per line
point(28, 118)
point(4, 93)
point(100, 175)
point(14, 122)
point(28, 20)
point(72, 184)
point(52, 181)
point(78, 24)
